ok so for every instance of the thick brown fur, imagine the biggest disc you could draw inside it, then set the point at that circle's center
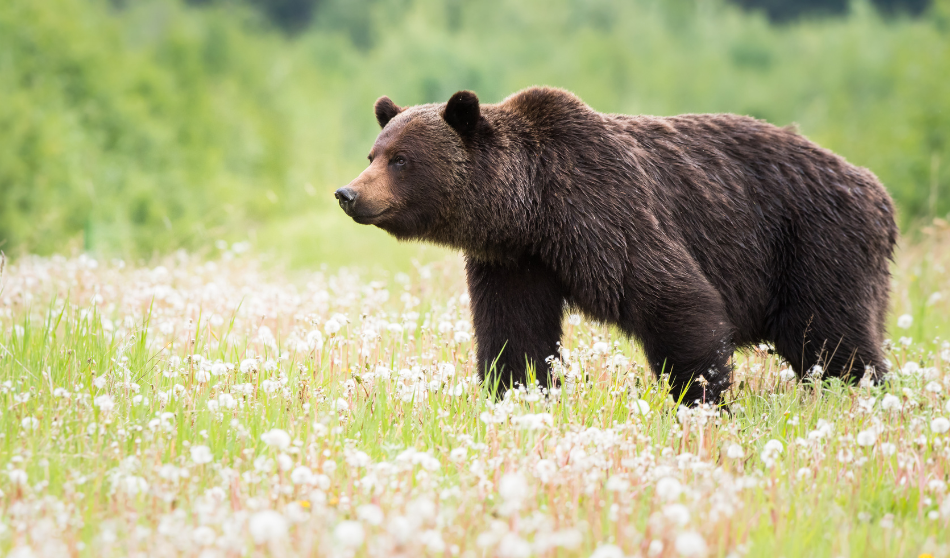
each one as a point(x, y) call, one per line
point(695, 234)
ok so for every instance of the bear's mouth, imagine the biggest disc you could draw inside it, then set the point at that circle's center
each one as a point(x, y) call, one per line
point(369, 219)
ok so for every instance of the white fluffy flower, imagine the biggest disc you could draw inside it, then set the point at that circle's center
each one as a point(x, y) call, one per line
point(866, 437)
point(17, 476)
point(891, 403)
point(786, 375)
point(301, 475)
point(349, 533)
point(735, 451)
point(545, 470)
point(267, 526)
point(201, 455)
point(640, 407)
point(276, 438)
point(939, 425)
point(226, 401)
point(601, 348)
point(331, 326)
point(29, 423)
point(250, 365)
point(607, 551)
point(370, 513)
point(691, 543)
point(905, 321)
point(668, 488)
point(104, 402)
point(513, 488)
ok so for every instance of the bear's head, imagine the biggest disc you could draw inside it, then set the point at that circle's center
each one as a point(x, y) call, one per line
point(419, 164)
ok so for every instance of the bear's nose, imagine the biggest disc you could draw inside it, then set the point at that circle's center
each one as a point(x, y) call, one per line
point(346, 196)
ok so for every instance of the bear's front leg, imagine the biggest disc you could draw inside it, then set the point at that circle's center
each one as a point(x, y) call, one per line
point(517, 310)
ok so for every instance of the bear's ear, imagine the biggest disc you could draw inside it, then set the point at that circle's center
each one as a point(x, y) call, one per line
point(386, 110)
point(462, 112)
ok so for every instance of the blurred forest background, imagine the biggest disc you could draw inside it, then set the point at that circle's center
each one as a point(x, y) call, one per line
point(135, 127)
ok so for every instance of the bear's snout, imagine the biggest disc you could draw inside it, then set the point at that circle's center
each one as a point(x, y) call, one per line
point(346, 196)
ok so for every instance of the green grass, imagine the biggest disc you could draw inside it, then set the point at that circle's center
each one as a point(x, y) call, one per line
point(578, 467)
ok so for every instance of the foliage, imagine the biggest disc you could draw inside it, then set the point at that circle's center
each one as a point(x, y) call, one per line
point(160, 124)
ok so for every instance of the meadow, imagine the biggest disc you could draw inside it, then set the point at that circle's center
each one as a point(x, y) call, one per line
point(222, 405)
point(223, 364)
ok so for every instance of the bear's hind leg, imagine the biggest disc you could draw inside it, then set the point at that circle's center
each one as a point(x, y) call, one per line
point(843, 354)
point(517, 311)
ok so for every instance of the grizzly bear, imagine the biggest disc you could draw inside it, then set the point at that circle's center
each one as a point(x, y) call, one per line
point(695, 234)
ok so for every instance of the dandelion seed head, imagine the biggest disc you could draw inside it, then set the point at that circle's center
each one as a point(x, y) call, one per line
point(267, 526)
point(691, 544)
point(276, 438)
point(939, 425)
point(201, 455)
point(349, 534)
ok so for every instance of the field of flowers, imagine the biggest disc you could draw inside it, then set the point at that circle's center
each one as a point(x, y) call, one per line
point(226, 407)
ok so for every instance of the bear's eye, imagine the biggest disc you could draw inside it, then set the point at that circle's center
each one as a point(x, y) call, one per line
point(399, 160)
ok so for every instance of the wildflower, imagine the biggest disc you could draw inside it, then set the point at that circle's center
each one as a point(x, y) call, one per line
point(905, 321)
point(204, 536)
point(276, 438)
point(773, 448)
point(133, 485)
point(786, 375)
point(458, 454)
point(640, 407)
point(284, 462)
point(690, 543)
point(331, 326)
point(462, 337)
point(29, 423)
point(250, 366)
point(513, 546)
point(617, 483)
point(891, 403)
point(866, 437)
point(677, 513)
point(574, 319)
point(545, 470)
point(267, 526)
point(939, 425)
point(513, 489)
point(888, 448)
point(601, 348)
point(301, 475)
point(668, 488)
point(607, 551)
point(370, 513)
point(735, 451)
point(934, 387)
point(342, 406)
point(17, 476)
point(226, 401)
point(349, 534)
point(201, 455)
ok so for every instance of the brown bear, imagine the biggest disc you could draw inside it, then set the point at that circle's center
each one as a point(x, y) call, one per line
point(695, 234)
